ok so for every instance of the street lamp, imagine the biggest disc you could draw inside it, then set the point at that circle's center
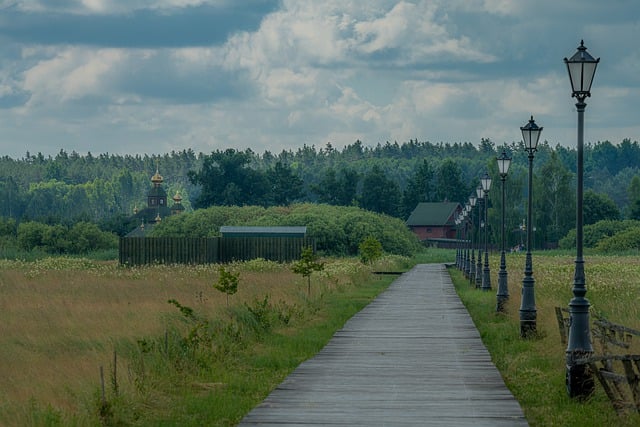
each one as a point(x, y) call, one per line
point(530, 135)
point(458, 239)
point(464, 265)
point(504, 162)
point(472, 202)
point(469, 247)
point(485, 181)
point(582, 68)
point(479, 264)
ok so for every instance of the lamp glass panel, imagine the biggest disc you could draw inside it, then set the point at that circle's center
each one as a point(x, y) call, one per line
point(588, 71)
point(486, 182)
point(575, 74)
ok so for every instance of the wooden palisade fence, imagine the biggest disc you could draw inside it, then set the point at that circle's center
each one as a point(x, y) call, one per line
point(613, 362)
point(211, 250)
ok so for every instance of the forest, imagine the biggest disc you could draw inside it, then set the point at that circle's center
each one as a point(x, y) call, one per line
point(87, 192)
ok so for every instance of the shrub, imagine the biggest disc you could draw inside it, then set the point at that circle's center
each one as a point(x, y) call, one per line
point(594, 233)
point(8, 227)
point(623, 241)
point(337, 230)
point(370, 250)
point(86, 237)
point(307, 265)
point(227, 282)
point(83, 237)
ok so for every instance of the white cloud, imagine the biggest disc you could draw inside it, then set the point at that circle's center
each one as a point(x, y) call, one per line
point(86, 7)
point(351, 107)
point(390, 30)
point(317, 71)
point(287, 87)
point(72, 74)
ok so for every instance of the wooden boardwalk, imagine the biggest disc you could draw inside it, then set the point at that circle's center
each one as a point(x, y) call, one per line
point(412, 357)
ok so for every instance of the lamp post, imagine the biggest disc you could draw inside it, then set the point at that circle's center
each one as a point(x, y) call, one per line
point(485, 181)
point(582, 68)
point(464, 247)
point(479, 264)
point(465, 243)
point(530, 135)
point(458, 245)
point(469, 247)
point(504, 162)
point(464, 263)
point(472, 202)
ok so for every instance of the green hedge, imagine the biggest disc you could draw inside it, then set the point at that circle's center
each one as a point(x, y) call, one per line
point(595, 233)
point(337, 230)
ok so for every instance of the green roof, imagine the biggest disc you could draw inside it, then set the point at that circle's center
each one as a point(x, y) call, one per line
point(433, 214)
point(140, 231)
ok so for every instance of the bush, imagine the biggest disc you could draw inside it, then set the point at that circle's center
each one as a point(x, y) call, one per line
point(337, 230)
point(83, 237)
point(86, 237)
point(31, 235)
point(594, 233)
point(370, 250)
point(8, 227)
point(623, 241)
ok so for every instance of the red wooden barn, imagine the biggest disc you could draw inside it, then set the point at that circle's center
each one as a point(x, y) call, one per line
point(434, 220)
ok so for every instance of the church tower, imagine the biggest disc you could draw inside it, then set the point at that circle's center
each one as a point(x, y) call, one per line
point(157, 208)
point(157, 196)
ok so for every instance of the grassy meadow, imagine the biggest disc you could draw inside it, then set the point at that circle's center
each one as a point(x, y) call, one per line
point(534, 369)
point(62, 319)
point(196, 361)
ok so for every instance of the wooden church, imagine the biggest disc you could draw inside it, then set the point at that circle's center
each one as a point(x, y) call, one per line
point(157, 207)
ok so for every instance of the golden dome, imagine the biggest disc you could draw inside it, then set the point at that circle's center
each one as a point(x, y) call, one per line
point(177, 198)
point(157, 178)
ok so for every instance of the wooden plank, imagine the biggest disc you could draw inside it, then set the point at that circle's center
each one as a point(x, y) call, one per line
point(411, 357)
point(563, 323)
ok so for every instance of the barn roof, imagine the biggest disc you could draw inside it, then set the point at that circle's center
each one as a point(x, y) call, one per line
point(433, 214)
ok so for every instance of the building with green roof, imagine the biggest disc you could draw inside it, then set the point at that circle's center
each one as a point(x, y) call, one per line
point(434, 220)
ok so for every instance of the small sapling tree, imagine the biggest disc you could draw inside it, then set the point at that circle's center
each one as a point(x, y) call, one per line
point(227, 282)
point(370, 250)
point(306, 265)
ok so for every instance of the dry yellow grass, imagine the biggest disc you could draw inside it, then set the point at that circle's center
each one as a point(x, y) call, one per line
point(613, 288)
point(60, 318)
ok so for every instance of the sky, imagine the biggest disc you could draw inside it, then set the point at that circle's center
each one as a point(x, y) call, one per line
point(153, 76)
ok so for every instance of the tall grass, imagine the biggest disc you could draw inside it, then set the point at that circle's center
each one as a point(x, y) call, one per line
point(61, 319)
point(534, 369)
point(190, 362)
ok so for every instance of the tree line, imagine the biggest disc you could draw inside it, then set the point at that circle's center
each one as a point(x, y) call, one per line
point(389, 178)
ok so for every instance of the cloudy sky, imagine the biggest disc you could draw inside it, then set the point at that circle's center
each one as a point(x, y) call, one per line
point(151, 76)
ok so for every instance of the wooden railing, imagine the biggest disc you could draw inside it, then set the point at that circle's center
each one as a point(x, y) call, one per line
point(613, 362)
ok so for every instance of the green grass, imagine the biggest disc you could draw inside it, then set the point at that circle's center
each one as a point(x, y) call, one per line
point(212, 369)
point(534, 369)
point(220, 387)
point(434, 255)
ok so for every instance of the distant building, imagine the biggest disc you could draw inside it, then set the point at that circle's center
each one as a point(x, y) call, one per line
point(157, 207)
point(434, 220)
